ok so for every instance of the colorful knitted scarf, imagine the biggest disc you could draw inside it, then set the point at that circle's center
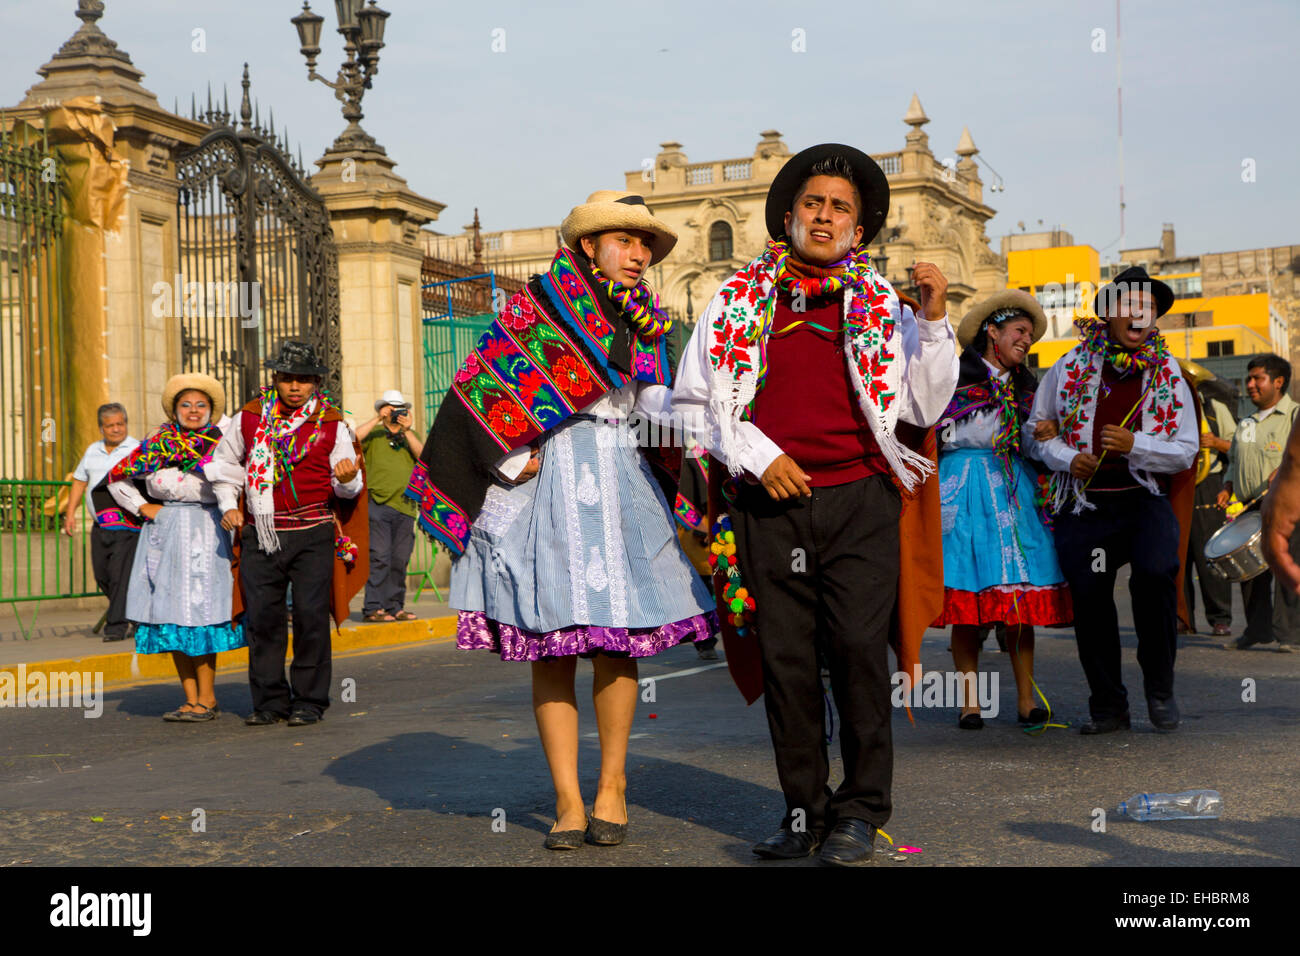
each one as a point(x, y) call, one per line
point(1079, 387)
point(739, 320)
point(638, 303)
point(274, 453)
point(170, 447)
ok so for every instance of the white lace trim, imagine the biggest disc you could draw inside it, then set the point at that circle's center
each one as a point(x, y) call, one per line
point(500, 508)
point(577, 578)
point(615, 561)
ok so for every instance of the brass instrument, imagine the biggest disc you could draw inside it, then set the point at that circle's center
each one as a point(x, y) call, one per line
point(1197, 375)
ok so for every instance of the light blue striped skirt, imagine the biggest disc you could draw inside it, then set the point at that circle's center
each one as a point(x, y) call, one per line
point(588, 541)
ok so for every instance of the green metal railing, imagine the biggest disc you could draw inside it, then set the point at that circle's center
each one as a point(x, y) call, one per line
point(423, 556)
point(37, 561)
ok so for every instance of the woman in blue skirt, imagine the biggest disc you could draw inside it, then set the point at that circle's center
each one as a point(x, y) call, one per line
point(181, 587)
point(564, 546)
point(999, 560)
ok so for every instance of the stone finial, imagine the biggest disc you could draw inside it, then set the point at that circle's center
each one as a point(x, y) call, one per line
point(90, 40)
point(966, 146)
point(916, 137)
point(90, 63)
point(915, 116)
point(478, 243)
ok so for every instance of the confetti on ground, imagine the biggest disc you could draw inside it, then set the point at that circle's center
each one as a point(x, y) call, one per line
point(654, 716)
point(96, 819)
point(909, 849)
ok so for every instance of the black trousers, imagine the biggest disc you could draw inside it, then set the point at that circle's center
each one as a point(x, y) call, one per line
point(305, 558)
point(112, 553)
point(1216, 592)
point(1139, 529)
point(1272, 611)
point(824, 574)
point(392, 537)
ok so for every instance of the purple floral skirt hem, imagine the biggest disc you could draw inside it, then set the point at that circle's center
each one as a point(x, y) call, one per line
point(476, 631)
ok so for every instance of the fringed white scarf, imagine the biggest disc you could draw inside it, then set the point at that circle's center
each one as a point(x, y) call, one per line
point(739, 321)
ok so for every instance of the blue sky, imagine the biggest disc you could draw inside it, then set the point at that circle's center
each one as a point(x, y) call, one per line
point(572, 102)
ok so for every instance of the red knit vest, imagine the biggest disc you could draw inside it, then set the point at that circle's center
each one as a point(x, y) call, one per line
point(807, 405)
point(311, 476)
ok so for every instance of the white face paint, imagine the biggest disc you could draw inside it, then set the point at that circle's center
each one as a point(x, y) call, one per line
point(799, 238)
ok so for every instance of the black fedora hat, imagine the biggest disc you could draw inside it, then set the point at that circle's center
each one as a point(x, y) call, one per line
point(870, 179)
point(1134, 278)
point(297, 358)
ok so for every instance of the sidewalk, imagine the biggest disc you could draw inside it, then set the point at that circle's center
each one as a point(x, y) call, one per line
point(63, 641)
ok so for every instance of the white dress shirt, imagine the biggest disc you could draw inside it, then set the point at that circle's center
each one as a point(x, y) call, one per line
point(1151, 454)
point(228, 475)
point(929, 375)
point(98, 461)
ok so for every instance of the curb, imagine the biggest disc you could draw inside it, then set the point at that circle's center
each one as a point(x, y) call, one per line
point(129, 666)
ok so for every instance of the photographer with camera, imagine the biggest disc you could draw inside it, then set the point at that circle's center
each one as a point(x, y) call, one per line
point(391, 449)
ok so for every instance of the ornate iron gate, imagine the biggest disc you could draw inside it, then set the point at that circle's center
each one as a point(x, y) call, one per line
point(32, 368)
point(257, 256)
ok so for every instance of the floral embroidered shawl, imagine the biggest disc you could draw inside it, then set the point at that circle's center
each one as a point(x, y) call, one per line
point(557, 346)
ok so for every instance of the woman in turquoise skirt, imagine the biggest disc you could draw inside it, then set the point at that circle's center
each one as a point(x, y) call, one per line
point(999, 560)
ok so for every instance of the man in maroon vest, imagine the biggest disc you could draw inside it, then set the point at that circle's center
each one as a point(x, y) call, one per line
point(803, 373)
point(298, 457)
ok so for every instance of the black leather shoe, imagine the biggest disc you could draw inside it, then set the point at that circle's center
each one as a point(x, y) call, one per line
point(300, 718)
point(849, 844)
point(263, 718)
point(564, 839)
point(1105, 725)
point(971, 721)
point(786, 844)
point(1163, 713)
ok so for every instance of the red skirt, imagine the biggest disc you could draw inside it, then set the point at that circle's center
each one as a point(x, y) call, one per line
point(1007, 604)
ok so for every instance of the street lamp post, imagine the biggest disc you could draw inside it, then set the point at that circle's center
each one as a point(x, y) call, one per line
point(362, 28)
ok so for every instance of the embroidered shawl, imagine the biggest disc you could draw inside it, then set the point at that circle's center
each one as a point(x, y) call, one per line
point(1078, 385)
point(738, 319)
point(557, 346)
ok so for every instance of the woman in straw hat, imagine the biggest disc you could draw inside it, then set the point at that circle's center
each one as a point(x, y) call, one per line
point(180, 589)
point(534, 479)
point(999, 561)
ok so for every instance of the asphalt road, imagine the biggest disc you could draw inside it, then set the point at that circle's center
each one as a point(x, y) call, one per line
point(440, 748)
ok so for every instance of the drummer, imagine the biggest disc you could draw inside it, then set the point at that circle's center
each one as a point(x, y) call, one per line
point(1127, 424)
point(1253, 460)
point(1219, 424)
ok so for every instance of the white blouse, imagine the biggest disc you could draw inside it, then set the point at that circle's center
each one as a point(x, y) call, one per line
point(646, 398)
point(975, 430)
point(165, 484)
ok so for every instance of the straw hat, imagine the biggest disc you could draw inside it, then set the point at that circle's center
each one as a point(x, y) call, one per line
point(611, 209)
point(1006, 299)
point(206, 384)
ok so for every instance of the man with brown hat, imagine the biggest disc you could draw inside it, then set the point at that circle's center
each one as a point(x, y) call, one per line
point(806, 370)
point(302, 474)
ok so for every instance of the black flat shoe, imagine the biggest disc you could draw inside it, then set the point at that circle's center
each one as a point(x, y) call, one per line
point(1037, 715)
point(178, 715)
point(1105, 725)
point(1163, 713)
point(849, 844)
point(786, 844)
point(565, 839)
point(263, 718)
point(300, 718)
point(970, 722)
point(195, 716)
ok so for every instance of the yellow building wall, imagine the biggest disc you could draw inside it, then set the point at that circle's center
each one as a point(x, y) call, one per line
point(1250, 310)
point(1035, 268)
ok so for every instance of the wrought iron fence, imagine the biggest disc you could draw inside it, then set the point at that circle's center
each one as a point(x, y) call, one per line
point(33, 371)
point(257, 255)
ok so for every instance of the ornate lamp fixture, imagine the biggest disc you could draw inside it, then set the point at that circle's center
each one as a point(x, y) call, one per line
point(362, 28)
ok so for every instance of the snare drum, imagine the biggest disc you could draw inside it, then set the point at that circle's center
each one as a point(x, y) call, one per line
point(1234, 552)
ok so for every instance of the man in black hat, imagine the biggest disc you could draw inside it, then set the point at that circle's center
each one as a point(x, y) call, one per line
point(302, 469)
point(1126, 426)
point(801, 372)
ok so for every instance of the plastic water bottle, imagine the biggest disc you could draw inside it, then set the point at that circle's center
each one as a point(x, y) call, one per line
point(1188, 805)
